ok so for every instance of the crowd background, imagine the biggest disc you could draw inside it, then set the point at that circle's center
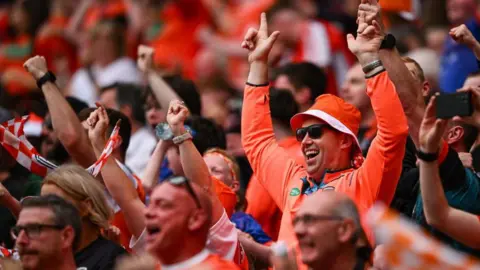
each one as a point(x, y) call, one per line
point(92, 47)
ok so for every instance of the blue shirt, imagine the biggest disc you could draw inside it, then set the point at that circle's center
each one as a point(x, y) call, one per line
point(248, 224)
point(457, 61)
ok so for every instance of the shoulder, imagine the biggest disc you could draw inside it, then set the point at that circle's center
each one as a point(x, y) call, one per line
point(214, 261)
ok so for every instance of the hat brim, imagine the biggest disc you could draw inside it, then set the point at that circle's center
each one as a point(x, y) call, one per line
point(297, 121)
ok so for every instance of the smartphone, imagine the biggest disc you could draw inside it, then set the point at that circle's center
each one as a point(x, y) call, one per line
point(456, 104)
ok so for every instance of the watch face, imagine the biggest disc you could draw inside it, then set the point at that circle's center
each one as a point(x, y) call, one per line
point(163, 132)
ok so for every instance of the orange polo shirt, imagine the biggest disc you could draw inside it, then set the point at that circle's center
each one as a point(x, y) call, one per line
point(225, 194)
point(261, 206)
point(375, 180)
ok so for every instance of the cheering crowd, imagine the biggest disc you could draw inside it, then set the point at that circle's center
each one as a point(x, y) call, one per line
point(239, 134)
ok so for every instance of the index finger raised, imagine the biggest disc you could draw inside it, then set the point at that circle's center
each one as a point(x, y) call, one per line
point(263, 24)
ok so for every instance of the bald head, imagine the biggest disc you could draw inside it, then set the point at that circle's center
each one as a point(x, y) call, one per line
point(334, 203)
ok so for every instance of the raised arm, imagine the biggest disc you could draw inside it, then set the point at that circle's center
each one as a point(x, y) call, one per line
point(406, 86)
point(162, 91)
point(462, 226)
point(192, 161)
point(65, 122)
point(270, 163)
point(9, 202)
point(381, 170)
point(117, 182)
point(152, 171)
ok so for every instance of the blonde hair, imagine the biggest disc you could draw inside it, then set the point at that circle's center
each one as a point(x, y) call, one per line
point(77, 183)
point(232, 163)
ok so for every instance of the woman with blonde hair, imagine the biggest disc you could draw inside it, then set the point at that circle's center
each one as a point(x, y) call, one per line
point(76, 185)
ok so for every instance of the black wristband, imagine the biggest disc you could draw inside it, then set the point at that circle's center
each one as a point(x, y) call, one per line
point(48, 77)
point(427, 157)
point(258, 85)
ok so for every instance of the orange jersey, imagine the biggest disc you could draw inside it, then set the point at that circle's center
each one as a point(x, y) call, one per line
point(227, 197)
point(288, 183)
point(202, 261)
point(261, 206)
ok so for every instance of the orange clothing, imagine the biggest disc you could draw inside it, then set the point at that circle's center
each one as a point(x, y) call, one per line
point(286, 181)
point(227, 197)
point(261, 206)
point(396, 6)
point(212, 262)
point(109, 10)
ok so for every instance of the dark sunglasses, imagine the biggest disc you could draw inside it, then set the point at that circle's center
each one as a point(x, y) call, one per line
point(313, 131)
point(33, 230)
point(180, 181)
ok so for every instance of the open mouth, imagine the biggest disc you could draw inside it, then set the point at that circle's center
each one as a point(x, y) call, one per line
point(310, 154)
point(153, 230)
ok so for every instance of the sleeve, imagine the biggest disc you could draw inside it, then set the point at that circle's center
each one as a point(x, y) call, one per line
point(223, 238)
point(382, 168)
point(270, 163)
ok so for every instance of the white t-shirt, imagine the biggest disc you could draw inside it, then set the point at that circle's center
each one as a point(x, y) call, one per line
point(121, 70)
point(142, 144)
point(222, 239)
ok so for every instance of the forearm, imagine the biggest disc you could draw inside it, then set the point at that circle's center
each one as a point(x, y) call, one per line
point(67, 126)
point(73, 27)
point(476, 50)
point(194, 166)
point(259, 252)
point(162, 91)
point(408, 90)
point(226, 47)
point(152, 171)
point(14, 206)
point(258, 74)
point(435, 204)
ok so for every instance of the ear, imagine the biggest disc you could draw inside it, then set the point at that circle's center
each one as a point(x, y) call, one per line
point(235, 186)
point(68, 236)
point(346, 231)
point(346, 141)
point(455, 134)
point(426, 87)
point(197, 220)
point(303, 95)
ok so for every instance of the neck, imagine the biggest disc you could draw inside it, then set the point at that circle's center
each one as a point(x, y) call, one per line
point(367, 117)
point(90, 233)
point(65, 262)
point(280, 131)
point(459, 147)
point(135, 126)
point(106, 60)
point(187, 252)
point(345, 260)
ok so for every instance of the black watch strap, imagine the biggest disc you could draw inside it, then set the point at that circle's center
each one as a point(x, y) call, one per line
point(48, 77)
point(427, 157)
point(389, 42)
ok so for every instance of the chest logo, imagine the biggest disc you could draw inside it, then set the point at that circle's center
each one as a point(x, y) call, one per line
point(295, 192)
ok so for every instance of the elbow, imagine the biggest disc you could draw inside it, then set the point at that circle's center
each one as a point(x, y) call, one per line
point(436, 220)
point(69, 138)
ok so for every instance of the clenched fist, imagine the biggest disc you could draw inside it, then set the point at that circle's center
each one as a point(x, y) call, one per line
point(36, 66)
point(176, 116)
point(145, 58)
point(462, 35)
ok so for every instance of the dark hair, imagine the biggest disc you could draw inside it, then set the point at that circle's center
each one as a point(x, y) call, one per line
point(113, 116)
point(76, 104)
point(305, 74)
point(470, 134)
point(473, 74)
point(129, 95)
point(65, 213)
point(37, 13)
point(207, 134)
point(282, 106)
point(187, 91)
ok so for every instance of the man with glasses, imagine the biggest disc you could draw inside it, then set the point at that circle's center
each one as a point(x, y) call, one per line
point(178, 221)
point(329, 233)
point(47, 232)
point(327, 132)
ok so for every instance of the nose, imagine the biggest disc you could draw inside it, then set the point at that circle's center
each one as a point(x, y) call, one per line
point(299, 229)
point(307, 140)
point(22, 238)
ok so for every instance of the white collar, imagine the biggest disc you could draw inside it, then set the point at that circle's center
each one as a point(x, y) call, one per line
point(200, 257)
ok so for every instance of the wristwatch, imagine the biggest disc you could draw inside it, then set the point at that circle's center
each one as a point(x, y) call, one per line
point(48, 77)
point(165, 133)
point(389, 42)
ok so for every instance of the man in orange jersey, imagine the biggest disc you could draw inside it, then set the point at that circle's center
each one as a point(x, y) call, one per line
point(178, 223)
point(327, 132)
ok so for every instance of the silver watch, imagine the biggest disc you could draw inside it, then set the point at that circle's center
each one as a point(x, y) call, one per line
point(164, 132)
point(180, 139)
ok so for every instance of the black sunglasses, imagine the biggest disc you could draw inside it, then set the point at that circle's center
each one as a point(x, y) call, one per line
point(313, 131)
point(179, 181)
point(310, 219)
point(33, 230)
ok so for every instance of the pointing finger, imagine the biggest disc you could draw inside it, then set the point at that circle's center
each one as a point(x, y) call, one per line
point(263, 25)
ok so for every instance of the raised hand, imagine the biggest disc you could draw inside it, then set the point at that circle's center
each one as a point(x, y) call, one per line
point(461, 34)
point(97, 124)
point(145, 58)
point(258, 42)
point(368, 11)
point(176, 116)
point(432, 129)
point(36, 66)
point(367, 44)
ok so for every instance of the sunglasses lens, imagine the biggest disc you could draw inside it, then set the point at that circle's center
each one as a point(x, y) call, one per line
point(301, 133)
point(177, 180)
point(315, 132)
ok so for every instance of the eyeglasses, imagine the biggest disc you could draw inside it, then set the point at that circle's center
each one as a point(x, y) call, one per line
point(314, 131)
point(33, 230)
point(311, 219)
point(180, 180)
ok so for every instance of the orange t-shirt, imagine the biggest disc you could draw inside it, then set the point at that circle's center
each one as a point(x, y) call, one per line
point(225, 194)
point(211, 262)
point(261, 206)
point(288, 182)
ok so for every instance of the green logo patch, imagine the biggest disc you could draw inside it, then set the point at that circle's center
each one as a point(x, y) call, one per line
point(295, 192)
